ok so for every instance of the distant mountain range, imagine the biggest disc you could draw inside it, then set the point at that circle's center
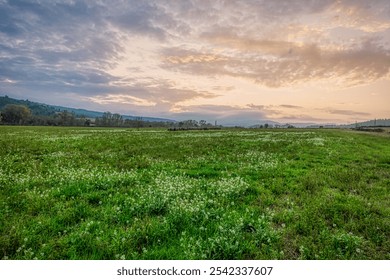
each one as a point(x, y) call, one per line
point(374, 123)
point(41, 109)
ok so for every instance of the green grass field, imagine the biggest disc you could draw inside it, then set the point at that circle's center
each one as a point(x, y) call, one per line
point(91, 193)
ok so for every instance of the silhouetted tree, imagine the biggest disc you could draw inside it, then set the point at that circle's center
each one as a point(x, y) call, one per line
point(202, 123)
point(66, 118)
point(15, 114)
point(116, 120)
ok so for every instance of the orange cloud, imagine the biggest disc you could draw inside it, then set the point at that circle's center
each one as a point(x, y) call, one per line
point(283, 63)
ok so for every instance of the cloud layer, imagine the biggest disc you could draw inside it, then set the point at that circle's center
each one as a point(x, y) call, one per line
point(158, 56)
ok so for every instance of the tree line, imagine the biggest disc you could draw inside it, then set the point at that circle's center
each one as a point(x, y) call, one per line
point(15, 114)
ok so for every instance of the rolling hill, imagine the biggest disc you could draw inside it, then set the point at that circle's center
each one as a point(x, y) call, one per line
point(41, 109)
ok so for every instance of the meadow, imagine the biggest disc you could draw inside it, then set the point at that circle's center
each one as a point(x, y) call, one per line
point(100, 193)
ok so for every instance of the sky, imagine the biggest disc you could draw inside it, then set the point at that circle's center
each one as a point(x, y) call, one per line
point(237, 62)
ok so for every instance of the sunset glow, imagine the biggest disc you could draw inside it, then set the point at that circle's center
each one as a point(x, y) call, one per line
point(238, 62)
